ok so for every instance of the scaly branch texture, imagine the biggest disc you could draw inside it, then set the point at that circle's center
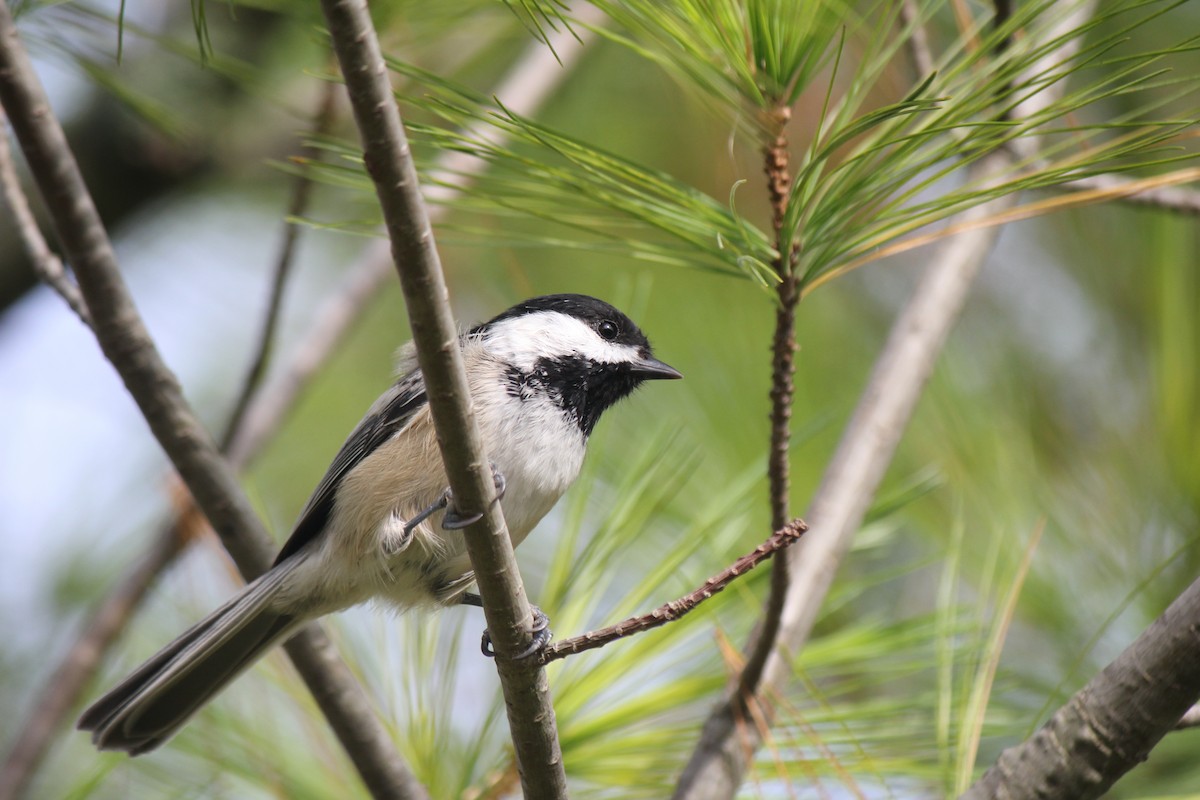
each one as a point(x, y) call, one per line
point(127, 345)
point(509, 618)
point(1113, 723)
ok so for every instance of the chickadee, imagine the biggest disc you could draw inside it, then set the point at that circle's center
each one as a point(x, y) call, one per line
point(540, 375)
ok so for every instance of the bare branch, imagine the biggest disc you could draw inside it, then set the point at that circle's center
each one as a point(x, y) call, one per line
point(66, 683)
point(509, 617)
point(47, 265)
point(1111, 725)
point(127, 345)
point(786, 536)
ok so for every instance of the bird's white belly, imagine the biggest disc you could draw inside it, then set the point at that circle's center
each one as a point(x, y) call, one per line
point(539, 451)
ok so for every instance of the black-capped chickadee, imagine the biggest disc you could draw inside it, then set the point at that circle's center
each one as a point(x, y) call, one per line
point(541, 374)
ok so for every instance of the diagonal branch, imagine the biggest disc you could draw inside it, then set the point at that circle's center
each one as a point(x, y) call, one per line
point(127, 344)
point(65, 686)
point(509, 617)
point(1111, 725)
point(532, 79)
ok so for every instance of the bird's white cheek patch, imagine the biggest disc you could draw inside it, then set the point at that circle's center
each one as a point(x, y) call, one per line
point(522, 341)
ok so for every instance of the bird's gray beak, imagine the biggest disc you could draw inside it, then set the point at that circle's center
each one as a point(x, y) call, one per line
point(651, 369)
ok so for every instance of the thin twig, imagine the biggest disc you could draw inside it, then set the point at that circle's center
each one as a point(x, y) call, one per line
point(298, 205)
point(389, 161)
point(784, 537)
point(47, 266)
point(128, 346)
point(67, 682)
point(783, 369)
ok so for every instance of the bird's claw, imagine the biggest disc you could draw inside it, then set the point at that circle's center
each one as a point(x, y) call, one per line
point(541, 637)
point(453, 520)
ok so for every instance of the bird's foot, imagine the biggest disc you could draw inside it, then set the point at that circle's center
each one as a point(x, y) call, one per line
point(541, 636)
point(453, 519)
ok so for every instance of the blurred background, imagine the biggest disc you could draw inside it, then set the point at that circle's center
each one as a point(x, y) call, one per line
point(1066, 406)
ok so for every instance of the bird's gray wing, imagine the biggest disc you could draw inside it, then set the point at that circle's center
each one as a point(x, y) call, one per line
point(387, 417)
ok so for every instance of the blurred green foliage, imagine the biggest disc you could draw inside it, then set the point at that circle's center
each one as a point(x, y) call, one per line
point(1067, 403)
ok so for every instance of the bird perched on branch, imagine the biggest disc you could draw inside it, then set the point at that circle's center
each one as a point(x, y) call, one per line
point(381, 525)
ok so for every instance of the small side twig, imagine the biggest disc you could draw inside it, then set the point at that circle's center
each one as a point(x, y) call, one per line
point(48, 267)
point(668, 612)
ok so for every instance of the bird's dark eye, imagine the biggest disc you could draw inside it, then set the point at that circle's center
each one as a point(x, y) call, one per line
point(608, 329)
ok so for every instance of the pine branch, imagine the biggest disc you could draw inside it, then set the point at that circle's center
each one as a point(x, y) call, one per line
point(509, 617)
point(783, 371)
point(128, 346)
point(727, 745)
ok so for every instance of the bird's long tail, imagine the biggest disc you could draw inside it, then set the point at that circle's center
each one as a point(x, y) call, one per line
point(161, 695)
